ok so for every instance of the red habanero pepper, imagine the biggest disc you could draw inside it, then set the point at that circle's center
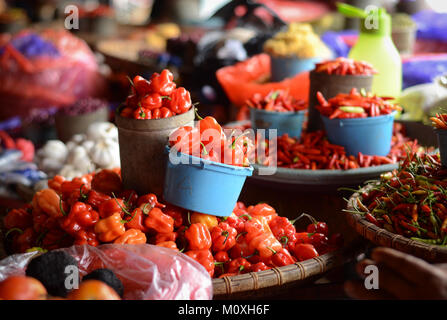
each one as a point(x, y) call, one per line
point(159, 222)
point(110, 228)
point(107, 181)
point(176, 213)
point(18, 218)
point(142, 114)
point(131, 236)
point(266, 244)
point(156, 113)
point(263, 209)
point(282, 258)
point(95, 198)
point(141, 85)
point(318, 227)
point(151, 199)
point(162, 237)
point(241, 248)
point(163, 83)
point(86, 237)
point(58, 238)
point(111, 206)
point(198, 236)
point(319, 241)
point(180, 101)
point(130, 198)
point(305, 251)
point(151, 101)
point(283, 230)
point(223, 237)
point(260, 266)
point(221, 256)
point(239, 265)
point(56, 183)
point(49, 202)
point(25, 240)
point(204, 257)
point(168, 244)
point(234, 221)
point(135, 221)
point(166, 112)
point(211, 133)
point(81, 216)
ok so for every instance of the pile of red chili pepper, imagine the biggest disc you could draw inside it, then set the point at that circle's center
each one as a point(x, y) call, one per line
point(156, 98)
point(95, 209)
point(314, 151)
point(344, 66)
point(278, 100)
point(355, 105)
point(439, 121)
point(207, 140)
point(410, 201)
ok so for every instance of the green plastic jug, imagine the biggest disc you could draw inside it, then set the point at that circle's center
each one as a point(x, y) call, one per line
point(375, 46)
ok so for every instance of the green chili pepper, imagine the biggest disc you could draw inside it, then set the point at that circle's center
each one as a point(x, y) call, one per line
point(352, 109)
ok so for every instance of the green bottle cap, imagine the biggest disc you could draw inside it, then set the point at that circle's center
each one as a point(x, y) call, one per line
point(374, 20)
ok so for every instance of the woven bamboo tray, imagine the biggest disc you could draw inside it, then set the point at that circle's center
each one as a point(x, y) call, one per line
point(267, 283)
point(382, 237)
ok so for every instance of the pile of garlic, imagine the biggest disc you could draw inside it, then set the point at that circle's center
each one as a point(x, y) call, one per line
point(97, 149)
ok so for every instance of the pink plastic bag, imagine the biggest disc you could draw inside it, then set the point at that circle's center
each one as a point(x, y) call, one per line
point(148, 272)
point(47, 81)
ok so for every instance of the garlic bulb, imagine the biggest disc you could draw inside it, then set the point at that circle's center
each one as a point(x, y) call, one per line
point(84, 153)
point(54, 149)
point(102, 130)
point(79, 159)
point(105, 153)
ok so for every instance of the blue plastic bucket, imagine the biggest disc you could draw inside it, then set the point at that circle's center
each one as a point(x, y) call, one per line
point(282, 68)
point(442, 145)
point(371, 136)
point(284, 122)
point(203, 186)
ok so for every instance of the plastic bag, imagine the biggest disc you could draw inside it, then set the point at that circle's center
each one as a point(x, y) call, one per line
point(242, 80)
point(147, 272)
point(48, 69)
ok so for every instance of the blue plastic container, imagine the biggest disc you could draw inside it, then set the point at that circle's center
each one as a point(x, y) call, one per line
point(284, 122)
point(203, 186)
point(371, 136)
point(282, 68)
point(442, 145)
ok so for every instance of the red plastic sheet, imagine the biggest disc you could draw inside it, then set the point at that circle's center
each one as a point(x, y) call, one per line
point(243, 79)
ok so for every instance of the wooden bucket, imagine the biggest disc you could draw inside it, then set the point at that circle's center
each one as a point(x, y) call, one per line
point(382, 237)
point(142, 150)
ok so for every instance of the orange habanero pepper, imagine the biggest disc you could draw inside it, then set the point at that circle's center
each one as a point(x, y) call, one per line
point(110, 228)
point(131, 236)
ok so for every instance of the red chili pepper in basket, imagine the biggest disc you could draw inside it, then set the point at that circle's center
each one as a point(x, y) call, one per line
point(204, 257)
point(198, 236)
point(223, 237)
